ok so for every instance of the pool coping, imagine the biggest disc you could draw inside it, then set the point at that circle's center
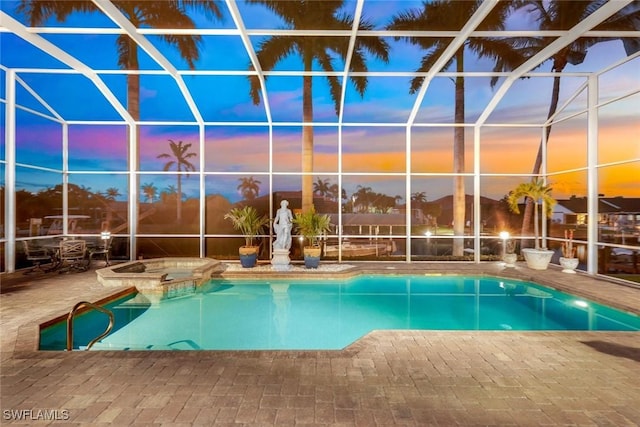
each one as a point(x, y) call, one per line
point(27, 339)
point(590, 286)
point(144, 274)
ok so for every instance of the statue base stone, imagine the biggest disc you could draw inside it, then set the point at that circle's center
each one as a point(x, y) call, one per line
point(280, 260)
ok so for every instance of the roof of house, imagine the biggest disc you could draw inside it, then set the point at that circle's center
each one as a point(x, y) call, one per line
point(605, 204)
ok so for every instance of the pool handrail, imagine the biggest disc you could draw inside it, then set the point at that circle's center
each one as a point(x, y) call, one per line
point(71, 315)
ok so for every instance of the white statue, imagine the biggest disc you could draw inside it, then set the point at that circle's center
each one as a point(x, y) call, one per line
point(282, 224)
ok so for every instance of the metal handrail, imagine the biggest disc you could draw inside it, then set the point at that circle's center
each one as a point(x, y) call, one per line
point(72, 313)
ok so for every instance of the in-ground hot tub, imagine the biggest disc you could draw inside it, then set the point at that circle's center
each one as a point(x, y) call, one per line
point(164, 276)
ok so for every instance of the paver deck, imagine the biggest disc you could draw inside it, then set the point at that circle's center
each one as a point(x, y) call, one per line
point(438, 378)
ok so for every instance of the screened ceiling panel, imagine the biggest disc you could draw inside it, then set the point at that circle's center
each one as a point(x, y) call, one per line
point(285, 99)
point(95, 19)
point(222, 98)
point(405, 59)
point(81, 99)
point(436, 108)
point(526, 103)
point(18, 53)
point(294, 62)
point(159, 92)
point(221, 53)
point(386, 99)
point(76, 46)
point(28, 100)
point(228, 50)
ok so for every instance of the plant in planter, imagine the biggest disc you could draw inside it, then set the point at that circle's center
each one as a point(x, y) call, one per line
point(568, 260)
point(250, 224)
point(537, 258)
point(312, 225)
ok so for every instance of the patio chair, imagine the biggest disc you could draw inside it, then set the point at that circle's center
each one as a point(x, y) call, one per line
point(37, 256)
point(73, 255)
point(101, 250)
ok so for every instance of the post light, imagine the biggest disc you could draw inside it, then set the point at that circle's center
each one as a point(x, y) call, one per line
point(504, 235)
point(105, 236)
point(428, 235)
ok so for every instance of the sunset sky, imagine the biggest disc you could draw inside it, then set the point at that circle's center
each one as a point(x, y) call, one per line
point(373, 133)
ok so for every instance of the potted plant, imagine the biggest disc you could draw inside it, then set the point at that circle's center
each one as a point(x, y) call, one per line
point(568, 260)
point(312, 225)
point(250, 224)
point(537, 258)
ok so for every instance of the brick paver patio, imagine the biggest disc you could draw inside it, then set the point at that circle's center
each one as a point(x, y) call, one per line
point(387, 378)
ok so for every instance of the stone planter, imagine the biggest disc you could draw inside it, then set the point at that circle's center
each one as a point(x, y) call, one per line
point(569, 265)
point(537, 259)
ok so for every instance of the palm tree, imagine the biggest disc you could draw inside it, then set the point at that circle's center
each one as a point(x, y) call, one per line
point(562, 15)
point(109, 196)
point(333, 192)
point(539, 193)
point(249, 188)
point(307, 15)
point(322, 187)
point(418, 200)
point(419, 197)
point(440, 15)
point(170, 192)
point(149, 191)
point(179, 158)
point(363, 196)
point(383, 203)
point(112, 193)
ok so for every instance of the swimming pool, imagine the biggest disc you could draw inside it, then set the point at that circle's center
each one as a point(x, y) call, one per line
point(331, 314)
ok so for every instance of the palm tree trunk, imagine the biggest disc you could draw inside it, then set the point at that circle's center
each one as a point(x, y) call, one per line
point(536, 231)
point(179, 201)
point(458, 163)
point(555, 95)
point(307, 140)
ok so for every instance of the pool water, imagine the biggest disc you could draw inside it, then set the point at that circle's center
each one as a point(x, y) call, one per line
point(252, 315)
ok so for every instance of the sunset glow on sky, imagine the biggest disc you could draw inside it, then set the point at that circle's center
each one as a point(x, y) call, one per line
point(373, 138)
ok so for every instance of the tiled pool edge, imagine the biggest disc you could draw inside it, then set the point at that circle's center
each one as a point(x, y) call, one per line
point(27, 340)
point(28, 336)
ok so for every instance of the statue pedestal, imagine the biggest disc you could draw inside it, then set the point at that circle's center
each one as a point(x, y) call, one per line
point(280, 260)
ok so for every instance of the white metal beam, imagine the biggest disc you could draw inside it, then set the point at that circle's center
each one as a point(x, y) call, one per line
point(246, 41)
point(347, 61)
point(10, 171)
